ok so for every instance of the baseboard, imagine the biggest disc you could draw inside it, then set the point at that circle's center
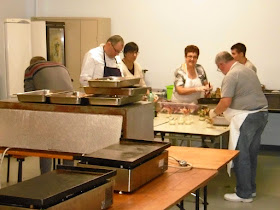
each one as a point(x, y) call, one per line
point(269, 148)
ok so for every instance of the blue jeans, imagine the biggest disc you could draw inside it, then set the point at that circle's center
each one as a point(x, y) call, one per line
point(245, 164)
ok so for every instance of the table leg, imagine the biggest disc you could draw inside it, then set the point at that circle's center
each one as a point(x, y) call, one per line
point(8, 168)
point(54, 163)
point(197, 199)
point(221, 141)
point(205, 203)
point(20, 160)
point(162, 134)
point(181, 205)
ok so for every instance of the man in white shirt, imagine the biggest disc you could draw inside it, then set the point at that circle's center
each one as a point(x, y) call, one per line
point(238, 52)
point(102, 61)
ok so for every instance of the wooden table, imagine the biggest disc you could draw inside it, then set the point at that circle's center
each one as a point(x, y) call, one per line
point(197, 127)
point(168, 189)
point(165, 191)
point(20, 154)
point(205, 158)
point(175, 184)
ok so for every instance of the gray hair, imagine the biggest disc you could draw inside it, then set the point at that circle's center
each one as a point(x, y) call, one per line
point(36, 59)
point(115, 39)
point(223, 57)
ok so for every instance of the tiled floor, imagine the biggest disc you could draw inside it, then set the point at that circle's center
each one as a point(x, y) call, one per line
point(268, 187)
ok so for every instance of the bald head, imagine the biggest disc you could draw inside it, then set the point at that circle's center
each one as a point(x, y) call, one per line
point(224, 61)
point(223, 57)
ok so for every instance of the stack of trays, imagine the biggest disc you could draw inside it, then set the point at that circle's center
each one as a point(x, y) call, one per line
point(114, 91)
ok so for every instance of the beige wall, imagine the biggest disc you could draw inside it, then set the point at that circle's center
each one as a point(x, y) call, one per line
point(163, 28)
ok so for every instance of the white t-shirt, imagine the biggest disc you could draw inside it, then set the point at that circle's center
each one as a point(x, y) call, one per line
point(93, 64)
point(250, 65)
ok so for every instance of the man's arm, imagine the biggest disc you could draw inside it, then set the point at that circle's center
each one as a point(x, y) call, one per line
point(29, 85)
point(88, 68)
point(221, 107)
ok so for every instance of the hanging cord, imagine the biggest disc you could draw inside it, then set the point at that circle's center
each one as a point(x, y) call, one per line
point(1, 161)
point(182, 164)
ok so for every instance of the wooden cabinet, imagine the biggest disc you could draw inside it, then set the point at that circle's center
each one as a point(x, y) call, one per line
point(81, 35)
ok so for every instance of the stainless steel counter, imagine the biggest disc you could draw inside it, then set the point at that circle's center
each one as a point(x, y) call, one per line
point(137, 117)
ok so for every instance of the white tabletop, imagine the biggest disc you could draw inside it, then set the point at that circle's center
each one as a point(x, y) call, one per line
point(197, 127)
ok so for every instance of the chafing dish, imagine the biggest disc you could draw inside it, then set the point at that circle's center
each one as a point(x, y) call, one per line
point(35, 96)
point(208, 100)
point(132, 159)
point(114, 82)
point(73, 97)
point(64, 188)
point(130, 91)
point(112, 100)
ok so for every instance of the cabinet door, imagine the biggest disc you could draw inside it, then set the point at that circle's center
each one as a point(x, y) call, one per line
point(72, 50)
point(88, 36)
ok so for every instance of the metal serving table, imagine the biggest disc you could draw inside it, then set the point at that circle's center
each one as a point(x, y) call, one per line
point(137, 117)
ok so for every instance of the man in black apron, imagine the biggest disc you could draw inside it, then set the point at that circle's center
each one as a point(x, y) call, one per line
point(102, 61)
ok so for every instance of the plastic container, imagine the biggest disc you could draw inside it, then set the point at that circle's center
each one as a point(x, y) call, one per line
point(169, 91)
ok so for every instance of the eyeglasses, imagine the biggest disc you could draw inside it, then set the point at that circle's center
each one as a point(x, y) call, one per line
point(118, 52)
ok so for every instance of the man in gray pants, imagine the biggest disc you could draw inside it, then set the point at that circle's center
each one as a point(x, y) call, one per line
point(244, 104)
point(42, 74)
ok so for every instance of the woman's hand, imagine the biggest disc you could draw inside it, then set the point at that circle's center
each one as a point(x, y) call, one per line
point(202, 88)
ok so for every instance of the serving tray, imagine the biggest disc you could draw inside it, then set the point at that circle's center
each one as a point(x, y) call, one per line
point(112, 100)
point(35, 96)
point(126, 91)
point(209, 100)
point(114, 82)
point(73, 97)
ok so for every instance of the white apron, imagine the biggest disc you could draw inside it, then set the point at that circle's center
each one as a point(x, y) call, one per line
point(236, 119)
point(191, 98)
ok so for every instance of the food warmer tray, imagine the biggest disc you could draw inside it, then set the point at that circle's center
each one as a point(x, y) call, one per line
point(208, 100)
point(113, 82)
point(128, 153)
point(72, 97)
point(54, 187)
point(36, 96)
point(113, 100)
point(130, 91)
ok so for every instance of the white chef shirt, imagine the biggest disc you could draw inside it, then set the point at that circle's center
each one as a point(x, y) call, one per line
point(93, 64)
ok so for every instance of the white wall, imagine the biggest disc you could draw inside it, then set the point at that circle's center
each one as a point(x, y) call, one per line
point(11, 9)
point(163, 28)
